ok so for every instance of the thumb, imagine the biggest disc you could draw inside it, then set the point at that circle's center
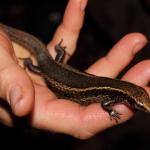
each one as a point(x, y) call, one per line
point(15, 85)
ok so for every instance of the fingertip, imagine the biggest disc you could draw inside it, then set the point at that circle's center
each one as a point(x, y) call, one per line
point(131, 43)
point(139, 40)
point(137, 36)
point(139, 73)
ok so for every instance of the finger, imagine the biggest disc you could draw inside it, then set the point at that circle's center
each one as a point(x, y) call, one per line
point(119, 56)
point(70, 27)
point(15, 86)
point(139, 74)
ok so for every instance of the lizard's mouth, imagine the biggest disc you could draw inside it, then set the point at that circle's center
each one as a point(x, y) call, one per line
point(143, 107)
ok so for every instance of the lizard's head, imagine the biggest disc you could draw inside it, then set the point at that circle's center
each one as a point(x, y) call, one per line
point(142, 102)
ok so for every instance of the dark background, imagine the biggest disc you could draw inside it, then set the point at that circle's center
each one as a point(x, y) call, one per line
point(106, 22)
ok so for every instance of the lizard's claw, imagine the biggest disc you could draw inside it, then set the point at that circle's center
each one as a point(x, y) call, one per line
point(114, 115)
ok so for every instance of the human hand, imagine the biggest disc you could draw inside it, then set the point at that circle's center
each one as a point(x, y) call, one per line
point(58, 115)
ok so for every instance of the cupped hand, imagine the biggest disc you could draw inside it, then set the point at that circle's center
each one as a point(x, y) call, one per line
point(26, 93)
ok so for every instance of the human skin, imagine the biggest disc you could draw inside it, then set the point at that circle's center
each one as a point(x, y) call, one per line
point(29, 94)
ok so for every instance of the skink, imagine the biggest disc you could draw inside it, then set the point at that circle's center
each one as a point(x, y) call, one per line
point(69, 83)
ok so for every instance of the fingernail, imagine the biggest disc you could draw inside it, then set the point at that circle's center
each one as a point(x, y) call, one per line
point(138, 46)
point(15, 96)
point(83, 4)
